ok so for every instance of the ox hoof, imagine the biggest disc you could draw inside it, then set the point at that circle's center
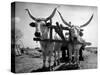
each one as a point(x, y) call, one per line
point(58, 62)
point(81, 58)
point(55, 64)
point(43, 67)
point(50, 68)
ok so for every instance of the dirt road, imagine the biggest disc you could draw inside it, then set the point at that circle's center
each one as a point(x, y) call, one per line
point(25, 63)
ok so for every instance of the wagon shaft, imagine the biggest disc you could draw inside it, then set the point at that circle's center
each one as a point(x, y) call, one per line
point(59, 41)
point(50, 40)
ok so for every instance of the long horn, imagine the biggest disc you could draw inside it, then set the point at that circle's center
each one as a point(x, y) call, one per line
point(30, 15)
point(63, 19)
point(53, 13)
point(87, 22)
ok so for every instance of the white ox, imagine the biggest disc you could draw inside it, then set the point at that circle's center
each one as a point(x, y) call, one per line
point(43, 33)
point(75, 40)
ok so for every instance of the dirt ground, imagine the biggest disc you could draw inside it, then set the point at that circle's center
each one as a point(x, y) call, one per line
point(90, 60)
point(26, 63)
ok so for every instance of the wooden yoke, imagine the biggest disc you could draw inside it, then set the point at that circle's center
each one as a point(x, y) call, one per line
point(59, 30)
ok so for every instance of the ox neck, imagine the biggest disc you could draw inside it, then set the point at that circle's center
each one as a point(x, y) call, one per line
point(44, 35)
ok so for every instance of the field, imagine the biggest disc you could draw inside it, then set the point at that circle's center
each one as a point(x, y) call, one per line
point(30, 62)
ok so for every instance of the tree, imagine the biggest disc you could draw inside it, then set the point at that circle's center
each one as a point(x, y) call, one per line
point(18, 34)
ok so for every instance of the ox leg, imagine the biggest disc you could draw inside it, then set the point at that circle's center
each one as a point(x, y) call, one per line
point(49, 61)
point(63, 55)
point(67, 59)
point(78, 62)
point(76, 57)
point(81, 58)
point(70, 54)
point(55, 56)
point(58, 61)
point(44, 60)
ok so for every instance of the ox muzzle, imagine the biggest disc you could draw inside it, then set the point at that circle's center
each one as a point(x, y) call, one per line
point(37, 34)
point(75, 38)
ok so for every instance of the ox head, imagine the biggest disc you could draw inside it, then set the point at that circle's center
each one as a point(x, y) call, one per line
point(75, 31)
point(41, 23)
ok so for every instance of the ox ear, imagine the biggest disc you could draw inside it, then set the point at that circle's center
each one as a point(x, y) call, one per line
point(87, 22)
point(48, 24)
point(51, 16)
point(81, 30)
point(32, 24)
point(81, 34)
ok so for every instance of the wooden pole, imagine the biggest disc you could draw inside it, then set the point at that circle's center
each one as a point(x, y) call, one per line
point(59, 30)
point(50, 29)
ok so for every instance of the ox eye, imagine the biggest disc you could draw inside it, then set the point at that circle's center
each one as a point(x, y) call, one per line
point(32, 24)
point(81, 34)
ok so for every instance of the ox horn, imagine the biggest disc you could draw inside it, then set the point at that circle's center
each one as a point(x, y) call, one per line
point(63, 19)
point(53, 13)
point(87, 22)
point(30, 15)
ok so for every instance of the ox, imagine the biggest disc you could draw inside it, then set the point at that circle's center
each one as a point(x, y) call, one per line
point(42, 31)
point(75, 39)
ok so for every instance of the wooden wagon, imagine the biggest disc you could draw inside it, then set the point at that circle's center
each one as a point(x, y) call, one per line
point(59, 30)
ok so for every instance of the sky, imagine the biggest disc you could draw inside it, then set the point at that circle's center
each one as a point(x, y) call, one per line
point(78, 15)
